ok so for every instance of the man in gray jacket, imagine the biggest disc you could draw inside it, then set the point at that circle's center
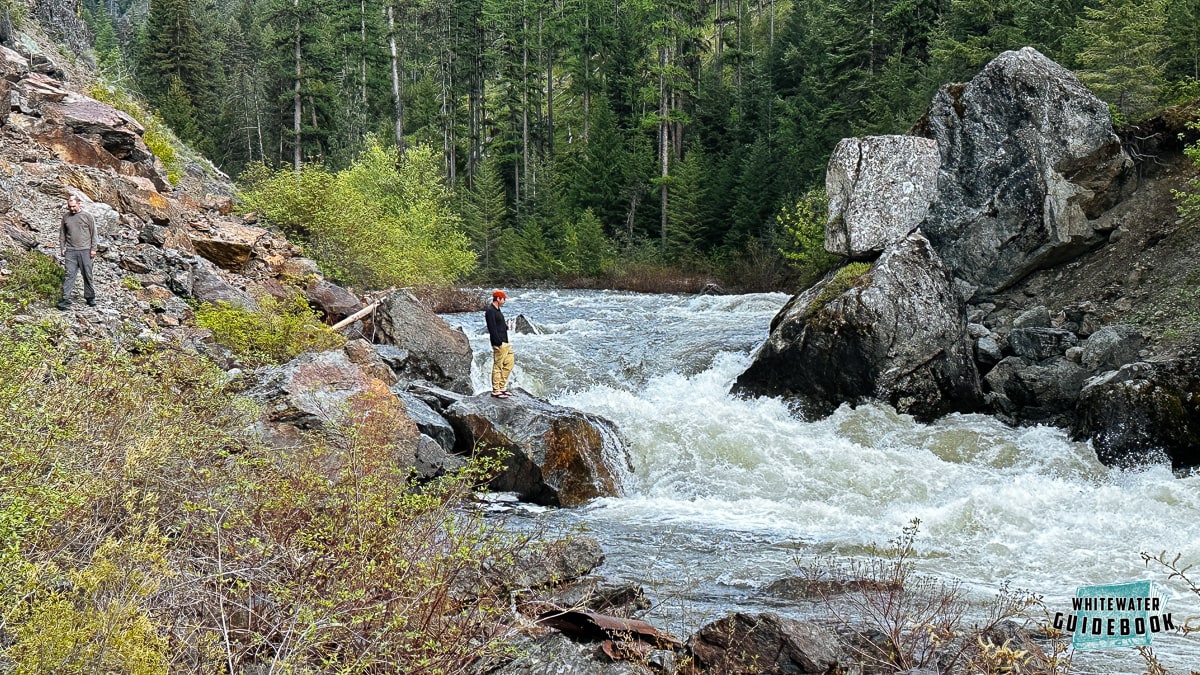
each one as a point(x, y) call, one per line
point(77, 239)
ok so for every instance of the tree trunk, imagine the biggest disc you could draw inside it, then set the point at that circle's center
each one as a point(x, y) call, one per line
point(525, 99)
point(664, 147)
point(550, 103)
point(397, 92)
point(362, 56)
point(296, 95)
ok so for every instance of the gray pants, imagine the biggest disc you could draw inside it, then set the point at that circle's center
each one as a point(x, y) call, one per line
point(79, 260)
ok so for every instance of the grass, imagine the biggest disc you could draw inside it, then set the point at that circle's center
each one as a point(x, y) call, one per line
point(843, 280)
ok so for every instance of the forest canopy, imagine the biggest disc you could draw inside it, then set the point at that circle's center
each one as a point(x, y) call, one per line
point(684, 130)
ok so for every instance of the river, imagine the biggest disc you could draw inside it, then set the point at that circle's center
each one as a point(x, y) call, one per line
point(727, 495)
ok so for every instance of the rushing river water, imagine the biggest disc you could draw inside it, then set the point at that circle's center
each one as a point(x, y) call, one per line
point(727, 494)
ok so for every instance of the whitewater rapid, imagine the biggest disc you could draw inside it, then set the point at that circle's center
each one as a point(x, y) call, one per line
point(729, 494)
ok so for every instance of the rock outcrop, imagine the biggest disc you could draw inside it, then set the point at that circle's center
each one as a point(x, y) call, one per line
point(437, 353)
point(897, 333)
point(766, 643)
point(1144, 411)
point(558, 456)
point(556, 654)
point(879, 188)
point(1029, 162)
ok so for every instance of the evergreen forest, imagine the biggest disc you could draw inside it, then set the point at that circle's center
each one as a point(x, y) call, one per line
point(583, 137)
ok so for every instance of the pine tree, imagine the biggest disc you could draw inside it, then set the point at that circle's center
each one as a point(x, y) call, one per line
point(174, 53)
point(1122, 58)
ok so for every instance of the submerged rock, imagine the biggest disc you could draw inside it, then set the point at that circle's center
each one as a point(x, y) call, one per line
point(897, 333)
point(1028, 161)
point(559, 456)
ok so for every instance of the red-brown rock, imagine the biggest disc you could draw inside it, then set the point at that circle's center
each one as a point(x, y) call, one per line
point(558, 456)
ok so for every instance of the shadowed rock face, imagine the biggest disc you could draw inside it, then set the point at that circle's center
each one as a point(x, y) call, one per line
point(879, 188)
point(766, 643)
point(1143, 411)
point(560, 456)
point(437, 353)
point(1028, 158)
point(897, 334)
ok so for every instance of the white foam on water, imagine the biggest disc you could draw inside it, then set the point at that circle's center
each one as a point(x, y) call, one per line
point(738, 490)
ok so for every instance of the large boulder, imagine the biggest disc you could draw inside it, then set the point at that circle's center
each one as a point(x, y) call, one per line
point(765, 643)
point(228, 246)
point(428, 421)
point(326, 394)
point(81, 130)
point(311, 389)
point(1039, 344)
point(209, 286)
point(879, 188)
point(1029, 161)
point(1035, 391)
point(1143, 412)
point(558, 456)
point(1112, 347)
point(437, 353)
point(336, 302)
point(896, 333)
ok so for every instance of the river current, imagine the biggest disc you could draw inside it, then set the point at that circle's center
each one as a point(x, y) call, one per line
point(727, 495)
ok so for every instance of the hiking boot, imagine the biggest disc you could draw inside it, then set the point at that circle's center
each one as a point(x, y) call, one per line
point(91, 302)
point(64, 305)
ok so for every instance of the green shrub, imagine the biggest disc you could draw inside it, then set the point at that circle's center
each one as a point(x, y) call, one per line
point(802, 228)
point(143, 529)
point(158, 136)
point(373, 224)
point(276, 333)
point(35, 277)
point(1188, 200)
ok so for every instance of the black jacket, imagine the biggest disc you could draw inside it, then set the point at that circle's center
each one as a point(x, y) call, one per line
point(497, 328)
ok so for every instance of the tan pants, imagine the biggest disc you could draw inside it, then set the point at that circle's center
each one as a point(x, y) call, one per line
point(502, 365)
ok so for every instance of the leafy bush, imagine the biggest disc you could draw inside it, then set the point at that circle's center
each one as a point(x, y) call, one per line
point(276, 333)
point(158, 137)
point(35, 277)
point(803, 234)
point(144, 529)
point(373, 224)
point(1189, 199)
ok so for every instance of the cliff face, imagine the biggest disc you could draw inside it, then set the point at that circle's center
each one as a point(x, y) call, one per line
point(160, 245)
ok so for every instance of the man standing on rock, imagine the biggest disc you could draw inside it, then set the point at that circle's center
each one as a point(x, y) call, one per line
point(77, 240)
point(502, 353)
